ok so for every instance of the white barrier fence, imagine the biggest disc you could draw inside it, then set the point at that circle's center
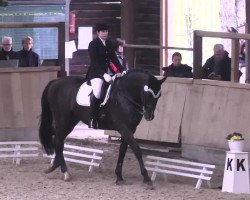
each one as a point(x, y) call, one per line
point(82, 155)
point(195, 170)
point(19, 150)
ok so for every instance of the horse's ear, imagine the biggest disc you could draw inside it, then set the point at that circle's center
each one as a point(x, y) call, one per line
point(163, 79)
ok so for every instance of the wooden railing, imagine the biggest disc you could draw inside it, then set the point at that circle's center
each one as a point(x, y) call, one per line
point(197, 55)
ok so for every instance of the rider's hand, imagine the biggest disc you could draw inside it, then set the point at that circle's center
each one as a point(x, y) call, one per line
point(124, 72)
point(107, 77)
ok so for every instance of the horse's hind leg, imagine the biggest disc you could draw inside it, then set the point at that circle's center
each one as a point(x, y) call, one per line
point(59, 145)
point(137, 151)
point(122, 152)
point(59, 159)
point(62, 131)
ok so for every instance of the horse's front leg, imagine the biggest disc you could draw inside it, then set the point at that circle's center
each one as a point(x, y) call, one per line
point(118, 170)
point(129, 137)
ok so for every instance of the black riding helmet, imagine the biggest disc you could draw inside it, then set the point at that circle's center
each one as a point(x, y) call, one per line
point(101, 27)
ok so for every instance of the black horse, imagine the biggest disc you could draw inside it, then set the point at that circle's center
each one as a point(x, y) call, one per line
point(132, 96)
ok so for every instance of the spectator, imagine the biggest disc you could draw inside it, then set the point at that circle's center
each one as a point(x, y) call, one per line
point(176, 69)
point(242, 63)
point(7, 52)
point(118, 46)
point(28, 58)
point(218, 67)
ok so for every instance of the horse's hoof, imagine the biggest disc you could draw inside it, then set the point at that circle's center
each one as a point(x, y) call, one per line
point(149, 185)
point(49, 169)
point(67, 176)
point(120, 182)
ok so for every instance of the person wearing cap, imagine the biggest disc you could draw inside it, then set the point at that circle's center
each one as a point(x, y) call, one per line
point(28, 58)
point(102, 53)
point(7, 52)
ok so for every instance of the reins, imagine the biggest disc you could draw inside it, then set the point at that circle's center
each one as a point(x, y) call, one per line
point(140, 110)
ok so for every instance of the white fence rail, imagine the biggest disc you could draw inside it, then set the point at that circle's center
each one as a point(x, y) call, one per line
point(82, 155)
point(19, 150)
point(195, 170)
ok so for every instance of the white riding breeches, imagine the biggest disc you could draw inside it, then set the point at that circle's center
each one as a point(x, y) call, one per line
point(97, 87)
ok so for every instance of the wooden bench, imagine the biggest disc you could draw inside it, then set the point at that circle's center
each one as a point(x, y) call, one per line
point(81, 155)
point(18, 150)
point(195, 170)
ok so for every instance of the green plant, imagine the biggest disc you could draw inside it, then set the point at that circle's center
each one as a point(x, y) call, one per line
point(235, 136)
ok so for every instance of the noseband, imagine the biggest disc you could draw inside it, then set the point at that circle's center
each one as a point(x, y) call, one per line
point(147, 89)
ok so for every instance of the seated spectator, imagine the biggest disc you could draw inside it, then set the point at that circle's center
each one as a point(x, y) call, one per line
point(218, 67)
point(242, 63)
point(176, 69)
point(7, 52)
point(28, 58)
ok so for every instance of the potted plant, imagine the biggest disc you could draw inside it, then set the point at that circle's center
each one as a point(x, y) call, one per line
point(235, 142)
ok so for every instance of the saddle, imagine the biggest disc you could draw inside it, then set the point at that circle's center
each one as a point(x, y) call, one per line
point(85, 91)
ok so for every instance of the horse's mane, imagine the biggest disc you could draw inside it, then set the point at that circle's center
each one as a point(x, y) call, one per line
point(139, 71)
point(133, 78)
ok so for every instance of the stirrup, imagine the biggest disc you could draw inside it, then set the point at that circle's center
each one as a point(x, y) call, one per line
point(93, 123)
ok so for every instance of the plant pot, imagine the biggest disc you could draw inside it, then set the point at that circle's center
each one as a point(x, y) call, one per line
point(236, 145)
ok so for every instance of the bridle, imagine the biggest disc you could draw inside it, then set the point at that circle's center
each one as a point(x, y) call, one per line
point(141, 108)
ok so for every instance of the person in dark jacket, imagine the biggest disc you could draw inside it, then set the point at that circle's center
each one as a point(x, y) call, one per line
point(218, 67)
point(118, 45)
point(7, 52)
point(28, 58)
point(176, 69)
point(102, 53)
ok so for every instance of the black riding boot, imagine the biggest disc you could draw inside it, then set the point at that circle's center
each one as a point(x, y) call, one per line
point(94, 110)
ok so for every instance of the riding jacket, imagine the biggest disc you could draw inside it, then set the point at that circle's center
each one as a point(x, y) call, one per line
point(100, 58)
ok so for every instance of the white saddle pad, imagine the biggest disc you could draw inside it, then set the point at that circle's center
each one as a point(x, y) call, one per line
point(83, 95)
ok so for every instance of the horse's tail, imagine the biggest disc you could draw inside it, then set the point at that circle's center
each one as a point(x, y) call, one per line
point(46, 130)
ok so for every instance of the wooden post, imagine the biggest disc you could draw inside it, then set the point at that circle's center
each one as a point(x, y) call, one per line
point(235, 60)
point(127, 28)
point(247, 2)
point(61, 47)
point(197, 56)
point(163, 33)
point(67, 4)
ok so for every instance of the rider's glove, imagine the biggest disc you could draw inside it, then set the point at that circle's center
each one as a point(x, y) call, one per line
point(107, 77)
point(124, 72)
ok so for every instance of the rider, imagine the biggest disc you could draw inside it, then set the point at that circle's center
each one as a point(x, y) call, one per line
point(102, 53)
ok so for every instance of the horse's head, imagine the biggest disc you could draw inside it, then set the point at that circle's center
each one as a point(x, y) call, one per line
point(141, 91)
point(150, 95)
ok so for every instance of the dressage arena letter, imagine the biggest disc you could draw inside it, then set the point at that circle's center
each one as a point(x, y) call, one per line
point(240, 164)
point(229, 163)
